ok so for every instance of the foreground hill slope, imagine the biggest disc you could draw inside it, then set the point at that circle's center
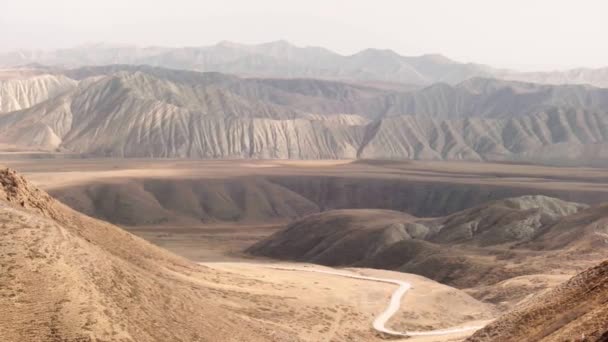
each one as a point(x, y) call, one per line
point(575, 311)
point(65, 276)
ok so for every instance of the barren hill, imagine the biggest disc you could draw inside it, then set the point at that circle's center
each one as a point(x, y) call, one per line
point(502, 221)
point(158, 201)
point(338, 237)
point(469, 247)
point(574, 311)
point(585, 231)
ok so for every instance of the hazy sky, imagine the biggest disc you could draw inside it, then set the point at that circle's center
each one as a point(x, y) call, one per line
point(521, 34)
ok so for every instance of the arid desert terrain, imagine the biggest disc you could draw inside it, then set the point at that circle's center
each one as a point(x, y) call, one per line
point(236, 225)
point(191, 191)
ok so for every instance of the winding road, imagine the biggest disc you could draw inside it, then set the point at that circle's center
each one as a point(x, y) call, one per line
point(379, 323)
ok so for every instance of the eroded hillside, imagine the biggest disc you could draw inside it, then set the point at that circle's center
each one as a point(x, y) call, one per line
point(483, 245)
point(574, 311)
point(127, 111)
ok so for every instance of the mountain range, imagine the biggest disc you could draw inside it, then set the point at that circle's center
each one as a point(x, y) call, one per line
point(143, 111)
point(280, 59)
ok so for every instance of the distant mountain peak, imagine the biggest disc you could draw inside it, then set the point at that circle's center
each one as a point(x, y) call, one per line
point(280, 42)
point(105, 45)
point(378, 52)
point(228, 44)
point(438, 58)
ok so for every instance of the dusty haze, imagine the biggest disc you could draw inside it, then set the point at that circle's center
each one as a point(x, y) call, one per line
point(525, 35)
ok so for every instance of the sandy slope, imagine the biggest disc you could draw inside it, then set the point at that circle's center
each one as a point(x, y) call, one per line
point(428, 306)
point(574, 311)
point(393, 307)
